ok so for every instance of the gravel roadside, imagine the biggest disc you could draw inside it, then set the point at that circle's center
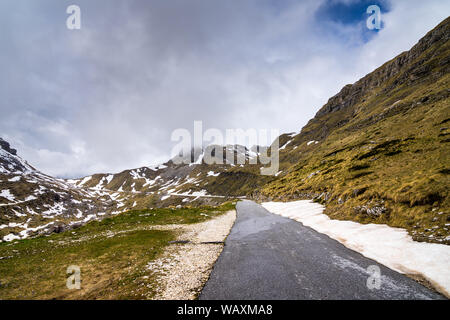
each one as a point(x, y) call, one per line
point(186, 265)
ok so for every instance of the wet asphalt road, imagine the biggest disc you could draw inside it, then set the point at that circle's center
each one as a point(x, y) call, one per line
point(267, 256)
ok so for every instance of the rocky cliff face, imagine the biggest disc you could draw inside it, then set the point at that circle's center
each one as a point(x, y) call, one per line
point(426, 61)
point(406, 68)
point(5, 146)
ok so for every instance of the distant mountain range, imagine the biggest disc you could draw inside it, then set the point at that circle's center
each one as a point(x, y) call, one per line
point(32, 203)
point(377, 152)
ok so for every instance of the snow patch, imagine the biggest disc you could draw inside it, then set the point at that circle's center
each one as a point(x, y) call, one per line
point(284, 146)
point(7, 195)
point(86, 179)
point(30, 198)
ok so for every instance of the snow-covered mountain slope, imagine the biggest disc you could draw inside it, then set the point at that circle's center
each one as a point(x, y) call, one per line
point(10, 163)
point(194, 182)
point(32, 202)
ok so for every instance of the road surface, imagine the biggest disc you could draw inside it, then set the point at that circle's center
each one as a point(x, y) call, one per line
point(267, 256)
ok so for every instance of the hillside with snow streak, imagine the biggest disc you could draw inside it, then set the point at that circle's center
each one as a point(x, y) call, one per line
point(33, 203)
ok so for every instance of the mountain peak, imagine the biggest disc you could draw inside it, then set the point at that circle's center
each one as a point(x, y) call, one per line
point(7, 147)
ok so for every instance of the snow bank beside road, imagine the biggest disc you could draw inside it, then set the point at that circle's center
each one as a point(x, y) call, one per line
point(392, 247)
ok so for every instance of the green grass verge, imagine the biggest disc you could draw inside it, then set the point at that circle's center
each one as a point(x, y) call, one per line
point(112, 255)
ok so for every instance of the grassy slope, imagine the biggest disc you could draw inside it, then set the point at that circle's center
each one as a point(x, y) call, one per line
point(112, 255)
point(388, 153)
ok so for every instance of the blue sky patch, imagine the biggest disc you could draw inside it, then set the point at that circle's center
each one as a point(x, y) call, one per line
point(352, 13)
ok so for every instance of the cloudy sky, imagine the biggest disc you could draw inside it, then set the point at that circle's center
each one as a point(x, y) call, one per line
point(108, 96)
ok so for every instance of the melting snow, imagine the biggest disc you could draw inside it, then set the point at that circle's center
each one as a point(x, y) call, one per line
point(86, 179)
point(311, 142)
point(284, 146)
point(109, 178)
point(11, 237)
point(55, 210)
point(79, 214)
point(30, 198)
point(149, 182)
point(7, 195)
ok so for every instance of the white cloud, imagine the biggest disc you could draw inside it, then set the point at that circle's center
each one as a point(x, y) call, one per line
point(405, 24)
